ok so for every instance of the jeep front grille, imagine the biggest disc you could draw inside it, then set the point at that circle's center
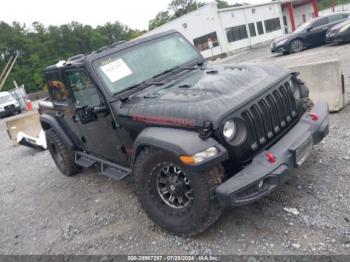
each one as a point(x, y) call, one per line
point(271, 115)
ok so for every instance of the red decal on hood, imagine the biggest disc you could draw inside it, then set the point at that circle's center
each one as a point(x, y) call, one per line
point(172, 121)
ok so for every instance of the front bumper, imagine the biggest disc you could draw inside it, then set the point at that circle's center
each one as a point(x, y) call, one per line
point(264, 175)
point(280, 48)
point(10, 111)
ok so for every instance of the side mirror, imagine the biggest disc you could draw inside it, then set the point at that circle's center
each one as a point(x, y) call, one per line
point(87, 114)
point(100, 109)
point(309, 29)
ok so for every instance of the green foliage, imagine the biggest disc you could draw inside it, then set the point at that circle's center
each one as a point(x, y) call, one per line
point(176, 8)
point(223, 4)
point(324, 4)
point(182, 7)
point(161, 18)
point(42, 46)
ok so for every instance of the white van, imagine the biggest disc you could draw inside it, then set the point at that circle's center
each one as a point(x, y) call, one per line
point(8, 105)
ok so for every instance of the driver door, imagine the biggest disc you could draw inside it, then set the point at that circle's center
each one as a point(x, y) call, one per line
point(100, 134)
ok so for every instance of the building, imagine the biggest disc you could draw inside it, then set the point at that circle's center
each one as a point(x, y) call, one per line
point(218, 32)
point(297, 12)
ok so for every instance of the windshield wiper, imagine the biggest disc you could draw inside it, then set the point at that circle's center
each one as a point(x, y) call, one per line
point(137, 87)
point(165, 72)
point(195, 66)
point(144, 84)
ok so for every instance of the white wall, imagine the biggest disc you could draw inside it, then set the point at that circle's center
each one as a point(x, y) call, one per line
point(235, 17)
point(203, 21)
point(208, 19)
point(308, 10)
point(289, 24)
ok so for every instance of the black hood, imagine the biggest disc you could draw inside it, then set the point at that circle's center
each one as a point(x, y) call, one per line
point(202, 95)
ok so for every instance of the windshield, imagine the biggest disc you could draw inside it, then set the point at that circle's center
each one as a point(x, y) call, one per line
point(132, 66)
point(342, 24)
point(302, 27)
point(5, 99)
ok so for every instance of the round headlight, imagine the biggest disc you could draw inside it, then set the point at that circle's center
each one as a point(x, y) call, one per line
point(229, 130)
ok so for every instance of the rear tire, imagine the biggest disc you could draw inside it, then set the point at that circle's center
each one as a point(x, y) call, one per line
point(61, 154)
point(296, 46)
point(198, 208)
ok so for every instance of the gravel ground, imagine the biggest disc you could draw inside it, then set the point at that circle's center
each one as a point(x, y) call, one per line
point(43, 212)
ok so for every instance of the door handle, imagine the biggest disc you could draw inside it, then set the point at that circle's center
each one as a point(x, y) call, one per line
point(325, 28)
point(59, 114)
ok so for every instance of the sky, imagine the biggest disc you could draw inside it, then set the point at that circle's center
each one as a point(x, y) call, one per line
point(133, 13)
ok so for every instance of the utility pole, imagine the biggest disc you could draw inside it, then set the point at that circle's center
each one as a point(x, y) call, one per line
point(6, 67)
point(8, 71)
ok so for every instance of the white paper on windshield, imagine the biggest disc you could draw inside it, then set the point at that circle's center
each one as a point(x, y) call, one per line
point(116, 70)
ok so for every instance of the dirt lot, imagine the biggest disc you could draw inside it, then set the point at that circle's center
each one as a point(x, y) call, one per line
point(43, 212)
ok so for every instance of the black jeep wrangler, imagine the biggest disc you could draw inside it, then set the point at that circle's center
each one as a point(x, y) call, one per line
point(195, 137)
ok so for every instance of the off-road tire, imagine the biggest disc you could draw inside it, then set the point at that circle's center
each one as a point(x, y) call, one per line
point(61, 154)
point(307, 104)
point(205, 209)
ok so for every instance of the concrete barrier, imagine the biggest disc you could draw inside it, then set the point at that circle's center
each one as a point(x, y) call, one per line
point(27, 123)
point(325, 81)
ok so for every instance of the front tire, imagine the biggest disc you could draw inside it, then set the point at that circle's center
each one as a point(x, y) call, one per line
point(61, 154)
point(181, 202)
point(296, 46)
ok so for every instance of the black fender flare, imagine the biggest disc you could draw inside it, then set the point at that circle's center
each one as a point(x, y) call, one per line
point(47, 121)
point(178, 142)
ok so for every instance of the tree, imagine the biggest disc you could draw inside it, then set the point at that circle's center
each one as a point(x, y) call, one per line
point(43, 46)
point(222, 4)
point(176, 8)
point(182, 7)
point(161, 18)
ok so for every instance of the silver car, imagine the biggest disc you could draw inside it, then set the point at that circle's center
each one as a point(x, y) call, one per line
point(8, 105)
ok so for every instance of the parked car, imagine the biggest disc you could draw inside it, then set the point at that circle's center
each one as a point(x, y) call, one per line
point(8, 105)
point(339, 33)
point(308, 34)
point(195, 137)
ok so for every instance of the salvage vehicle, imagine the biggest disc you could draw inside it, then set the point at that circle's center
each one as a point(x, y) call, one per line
point(339, 33)
point(8, 105)
point(309, 34)
point(195, 137)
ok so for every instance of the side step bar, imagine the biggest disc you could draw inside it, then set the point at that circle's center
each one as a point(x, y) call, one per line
point(107, 168)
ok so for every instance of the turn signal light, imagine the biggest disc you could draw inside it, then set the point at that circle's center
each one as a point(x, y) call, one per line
point(271, 158)
point(200, 157)
point(187, 160)
point(313, 116)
